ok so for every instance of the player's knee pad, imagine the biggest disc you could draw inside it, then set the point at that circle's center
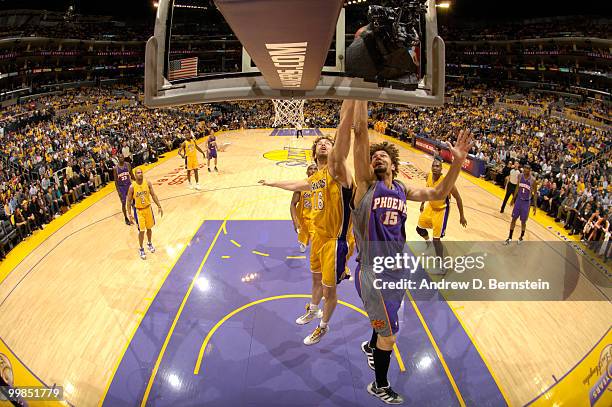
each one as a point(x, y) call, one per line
point(422, 232)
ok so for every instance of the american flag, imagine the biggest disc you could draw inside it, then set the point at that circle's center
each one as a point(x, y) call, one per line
point(183, 68)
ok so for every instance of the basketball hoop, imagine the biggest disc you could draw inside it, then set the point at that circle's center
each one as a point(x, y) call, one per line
point(288, 112)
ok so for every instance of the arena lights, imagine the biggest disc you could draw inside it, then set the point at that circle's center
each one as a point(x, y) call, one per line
point(190, 6)
point(443, 5)
point(351, 2)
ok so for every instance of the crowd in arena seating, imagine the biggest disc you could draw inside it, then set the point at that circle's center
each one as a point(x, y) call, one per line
point(52, 160)
point(572, 160)
point(48, 165)
point(575, 26)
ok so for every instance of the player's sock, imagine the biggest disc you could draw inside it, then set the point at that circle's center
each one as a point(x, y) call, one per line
point(323, 325)
point(511, 232)
point(382, 359)
point(372, 343)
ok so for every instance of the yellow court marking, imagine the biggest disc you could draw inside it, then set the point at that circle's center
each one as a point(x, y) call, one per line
point(225, 257)
point(457, 309)
point(296, 257)
point(141, 317)
point(260, 253)
point(198, 364)
point(235, 243)
point(177, 316)
point(437, 349)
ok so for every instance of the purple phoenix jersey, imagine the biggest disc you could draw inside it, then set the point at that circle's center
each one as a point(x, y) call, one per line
point(378, 223)
point(123, 180)
point(212, 148)
point(523, 199)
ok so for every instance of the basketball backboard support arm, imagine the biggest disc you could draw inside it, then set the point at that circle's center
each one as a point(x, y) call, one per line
point(159, 92)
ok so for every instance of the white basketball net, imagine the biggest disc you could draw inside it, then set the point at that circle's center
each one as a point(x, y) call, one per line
point(288, 112)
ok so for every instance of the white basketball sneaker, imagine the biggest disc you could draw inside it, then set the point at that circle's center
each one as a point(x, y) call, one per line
point(316, 335)
point(309, 315)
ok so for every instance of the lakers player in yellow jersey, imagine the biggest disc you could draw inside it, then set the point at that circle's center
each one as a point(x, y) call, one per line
point(139, 199)
point(434, 214)
point(301, 213)
point(333, 242)
point(188, 150)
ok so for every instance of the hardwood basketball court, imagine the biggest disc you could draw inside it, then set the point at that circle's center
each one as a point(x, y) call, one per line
point(70, 309)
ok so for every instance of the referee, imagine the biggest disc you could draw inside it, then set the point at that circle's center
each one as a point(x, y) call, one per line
point(511, 182)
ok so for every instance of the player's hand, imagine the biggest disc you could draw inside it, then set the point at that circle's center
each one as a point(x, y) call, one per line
point(463, 145)
point(512, 202)
point(263, 182)
point(463, 221)
point(161, 211)
point(422, 207)
point(131, 219)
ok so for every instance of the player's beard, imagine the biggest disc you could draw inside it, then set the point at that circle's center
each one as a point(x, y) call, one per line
point(322, 157)
point(380, 173)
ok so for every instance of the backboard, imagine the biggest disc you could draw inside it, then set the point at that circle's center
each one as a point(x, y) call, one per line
point(207, 51)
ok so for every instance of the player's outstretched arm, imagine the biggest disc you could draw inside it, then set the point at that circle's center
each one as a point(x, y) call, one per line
point(155, 199)
point(364, 175)
point(128, 204)
point(441, 191)
point(295, 185)
point(455, 193)
point(338, 167)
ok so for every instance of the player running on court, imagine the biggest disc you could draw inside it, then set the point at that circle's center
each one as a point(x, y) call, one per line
point(139, 199)
point(524, 196)
point(380, 215)
point(188, 150)
point(301, 213)
point(434, 214)
point(123, 176)
point(332, 244)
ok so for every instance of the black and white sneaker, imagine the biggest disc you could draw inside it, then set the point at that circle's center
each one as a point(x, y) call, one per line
point(369, 352)
point(386, 394)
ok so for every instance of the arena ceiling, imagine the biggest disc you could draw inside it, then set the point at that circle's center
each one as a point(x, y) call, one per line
point(461, 9)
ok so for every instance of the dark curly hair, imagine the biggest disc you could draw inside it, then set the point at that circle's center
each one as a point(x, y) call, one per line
point(391, 150)
point(314, 145)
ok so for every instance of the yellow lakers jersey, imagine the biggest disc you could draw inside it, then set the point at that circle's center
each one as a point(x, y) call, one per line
point(305, 204)
point(441, 204)
point(190, 148)
point(330, 212)
point(142, 196)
